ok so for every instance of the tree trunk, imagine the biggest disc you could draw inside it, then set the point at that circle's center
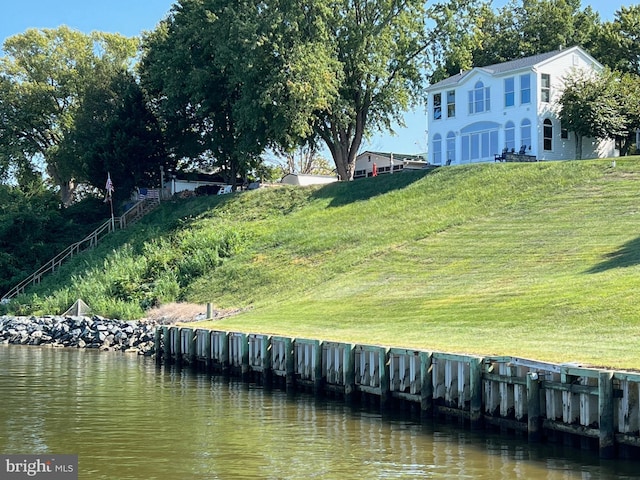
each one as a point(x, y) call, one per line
point(578, 146)
point(344, 156)
point(234, 169)
point(625, 144)
point(344, 143)
point(67, 193)
point(67, 187)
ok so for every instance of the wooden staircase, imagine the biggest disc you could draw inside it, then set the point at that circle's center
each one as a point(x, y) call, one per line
point(131, 216)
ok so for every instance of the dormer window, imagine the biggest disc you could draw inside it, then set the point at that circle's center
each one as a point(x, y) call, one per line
point(479, 98)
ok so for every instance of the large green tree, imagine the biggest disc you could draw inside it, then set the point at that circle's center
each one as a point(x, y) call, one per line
point(380, 46)
point(42, 78)
point(234, 79)
point(626, 90)
point(114, 132)
point(195, 95)
point(618, 44)
point(590, 107)
point(230, 80)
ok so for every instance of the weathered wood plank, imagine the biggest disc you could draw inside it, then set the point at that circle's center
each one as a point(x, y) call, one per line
point(520, 402)
point(628, 412)
point(426, 380)
point(534, 409)
point(475, 392)
point(606, 417)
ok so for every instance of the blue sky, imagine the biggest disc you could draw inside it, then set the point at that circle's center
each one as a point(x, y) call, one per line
point(131, 17)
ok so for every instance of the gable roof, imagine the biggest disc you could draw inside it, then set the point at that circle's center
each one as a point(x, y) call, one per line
point(498, 68)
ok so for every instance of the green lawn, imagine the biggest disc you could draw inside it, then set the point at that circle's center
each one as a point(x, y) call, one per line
point(542, 263)
point(537, 260)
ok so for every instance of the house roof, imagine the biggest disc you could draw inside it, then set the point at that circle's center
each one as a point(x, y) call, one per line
point(396, 156)
point(499, 68)
point(307, 175)
point(197, 176)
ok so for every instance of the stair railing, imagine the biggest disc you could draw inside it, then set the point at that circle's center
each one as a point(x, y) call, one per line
point(137, 211)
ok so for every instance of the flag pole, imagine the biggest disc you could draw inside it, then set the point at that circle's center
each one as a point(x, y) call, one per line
point(113, 222)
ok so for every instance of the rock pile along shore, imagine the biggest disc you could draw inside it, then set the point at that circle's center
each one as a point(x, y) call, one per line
point(79, 332)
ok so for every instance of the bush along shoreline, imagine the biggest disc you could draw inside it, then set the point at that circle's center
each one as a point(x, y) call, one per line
point(80, 332)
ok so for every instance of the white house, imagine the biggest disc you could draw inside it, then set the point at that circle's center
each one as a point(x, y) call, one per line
point(474, 115)
point(369, 164)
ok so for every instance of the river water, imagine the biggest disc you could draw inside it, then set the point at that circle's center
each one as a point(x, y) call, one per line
point(127, 418)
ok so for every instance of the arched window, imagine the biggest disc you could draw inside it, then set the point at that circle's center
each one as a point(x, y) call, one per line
point(437, 149)
point(479, 98)
point(451, 147)
point(525, 134)
point(510, 136)
point(547, 134)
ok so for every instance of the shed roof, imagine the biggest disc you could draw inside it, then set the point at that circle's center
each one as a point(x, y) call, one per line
point(396, 156)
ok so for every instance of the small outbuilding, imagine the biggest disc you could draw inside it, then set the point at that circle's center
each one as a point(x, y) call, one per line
point(191, 181)
point(304, 180)
point(372, 164)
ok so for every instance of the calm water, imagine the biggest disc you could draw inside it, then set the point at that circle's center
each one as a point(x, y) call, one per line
point(126, 418)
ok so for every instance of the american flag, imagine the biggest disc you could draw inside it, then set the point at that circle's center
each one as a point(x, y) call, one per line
point(109, 186)
point(151, 193)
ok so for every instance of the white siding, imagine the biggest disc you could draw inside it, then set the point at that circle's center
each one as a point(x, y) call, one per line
point(306, 180)
point(479, 136)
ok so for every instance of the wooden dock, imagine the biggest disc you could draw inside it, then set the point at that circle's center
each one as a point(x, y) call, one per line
point(595, 407)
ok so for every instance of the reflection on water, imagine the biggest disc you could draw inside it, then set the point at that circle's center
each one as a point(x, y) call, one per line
point(126, 418)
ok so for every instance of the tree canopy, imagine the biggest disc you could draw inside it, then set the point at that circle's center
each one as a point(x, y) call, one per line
point(234, 79)
point(618, 43)
point(42, 79)
point(591, 106)
point(379, 47)
point(197, 88)
point(115, 133)
point(469, 33)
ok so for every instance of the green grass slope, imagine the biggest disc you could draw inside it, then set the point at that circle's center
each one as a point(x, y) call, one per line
point(533, 260)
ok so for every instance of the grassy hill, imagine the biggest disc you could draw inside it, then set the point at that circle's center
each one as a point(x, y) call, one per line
point(534, 260)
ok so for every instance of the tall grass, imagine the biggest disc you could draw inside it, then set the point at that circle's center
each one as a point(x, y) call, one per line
point(135, 270)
